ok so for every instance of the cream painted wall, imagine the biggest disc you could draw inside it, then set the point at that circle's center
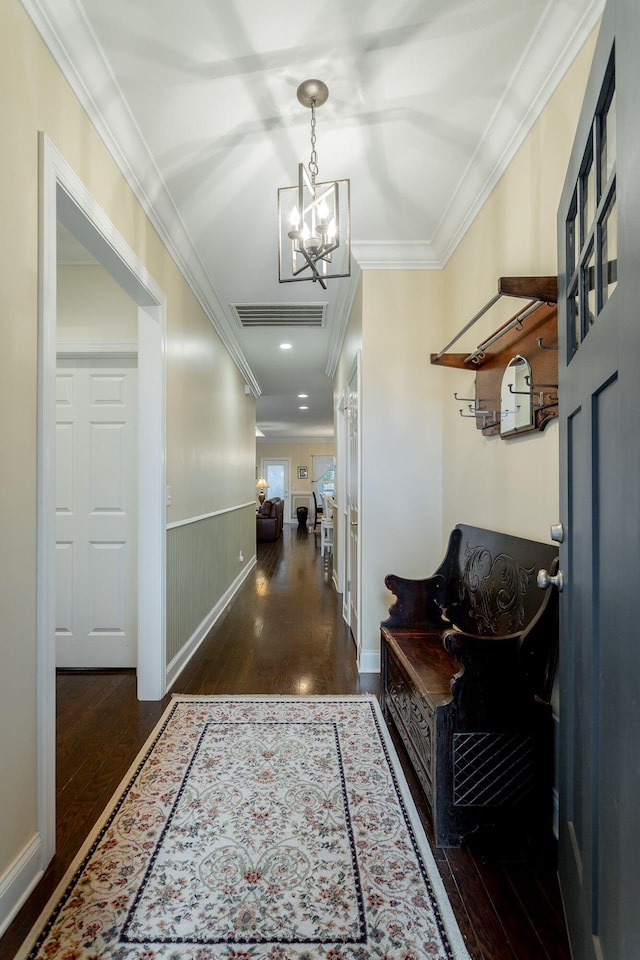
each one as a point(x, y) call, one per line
point(92, 306)
point(210, 422)
point(395, 321)
point(401, 433)
point(509, 485)
point(424, 468)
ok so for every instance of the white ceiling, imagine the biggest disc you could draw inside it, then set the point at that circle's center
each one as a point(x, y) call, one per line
point(428, 101)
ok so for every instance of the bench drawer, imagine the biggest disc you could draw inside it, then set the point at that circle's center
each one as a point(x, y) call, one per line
point(413, 719)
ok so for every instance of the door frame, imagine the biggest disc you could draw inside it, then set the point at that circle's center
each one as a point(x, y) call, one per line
point(354, 483)
point(62, 196)
point(340, 514)
point(286, 461)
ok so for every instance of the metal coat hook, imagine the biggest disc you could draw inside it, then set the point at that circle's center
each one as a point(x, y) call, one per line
point(540, 386)
point(475, 413)
point(543, 346)
point(483, 414)
point(465, 399)
point(545, 406)
point(524, 393)
point(478, 411)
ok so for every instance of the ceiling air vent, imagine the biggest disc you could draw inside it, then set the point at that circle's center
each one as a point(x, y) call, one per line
point(280, 314)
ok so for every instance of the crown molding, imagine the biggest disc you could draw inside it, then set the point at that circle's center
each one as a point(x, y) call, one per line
point(545, 61)
point(82, 63)
point(550, 53)
point(552, 49)
point(395, 255)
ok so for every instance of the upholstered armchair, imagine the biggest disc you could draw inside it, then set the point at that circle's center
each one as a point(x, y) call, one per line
point(269, 519)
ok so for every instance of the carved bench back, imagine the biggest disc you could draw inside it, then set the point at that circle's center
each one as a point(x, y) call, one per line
point(492, 589)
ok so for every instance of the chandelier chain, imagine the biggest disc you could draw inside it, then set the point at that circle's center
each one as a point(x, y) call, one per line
point(313, 162)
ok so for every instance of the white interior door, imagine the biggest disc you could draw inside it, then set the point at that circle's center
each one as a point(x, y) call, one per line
point(96, 582)
point(353, 471)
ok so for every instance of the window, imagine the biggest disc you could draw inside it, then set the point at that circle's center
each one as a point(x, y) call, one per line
point(326, 483)
point(591, 227)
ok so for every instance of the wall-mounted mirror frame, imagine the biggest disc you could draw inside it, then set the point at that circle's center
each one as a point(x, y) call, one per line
point(532, 332)
point(516, 412)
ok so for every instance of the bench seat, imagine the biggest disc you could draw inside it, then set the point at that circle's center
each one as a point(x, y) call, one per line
point(468, 660)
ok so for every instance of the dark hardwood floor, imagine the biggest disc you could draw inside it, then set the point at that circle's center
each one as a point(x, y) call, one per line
point(284, 633)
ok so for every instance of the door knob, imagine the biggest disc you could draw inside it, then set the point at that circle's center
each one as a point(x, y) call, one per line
point(545, 580)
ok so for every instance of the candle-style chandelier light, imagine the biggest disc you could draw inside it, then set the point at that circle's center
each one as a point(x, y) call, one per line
point(314, 219)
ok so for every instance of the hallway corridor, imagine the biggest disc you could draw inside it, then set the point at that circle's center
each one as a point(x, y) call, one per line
point(284, 634)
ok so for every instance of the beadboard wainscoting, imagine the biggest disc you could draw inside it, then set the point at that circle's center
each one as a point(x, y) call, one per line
point(208, 558)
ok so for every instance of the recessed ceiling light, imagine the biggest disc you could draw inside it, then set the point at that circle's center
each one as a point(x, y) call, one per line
point(285, 346)
point(303, 396)
point(303, 408)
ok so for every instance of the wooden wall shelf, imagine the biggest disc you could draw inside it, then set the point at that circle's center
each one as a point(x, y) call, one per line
point(531, 333)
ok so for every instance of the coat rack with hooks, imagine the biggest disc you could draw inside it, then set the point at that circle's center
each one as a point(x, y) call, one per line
point(529, 337)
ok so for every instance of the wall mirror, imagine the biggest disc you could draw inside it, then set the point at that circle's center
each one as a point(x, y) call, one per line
point(515, 396)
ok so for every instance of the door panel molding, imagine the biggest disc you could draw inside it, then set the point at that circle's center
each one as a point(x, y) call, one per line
point(96, 511)
point(599, 359)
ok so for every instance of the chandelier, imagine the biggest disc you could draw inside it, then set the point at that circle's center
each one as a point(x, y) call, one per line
point(314, 219)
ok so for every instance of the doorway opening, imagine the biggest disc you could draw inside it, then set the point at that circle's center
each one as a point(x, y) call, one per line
point(64, 199)
point(277, 472)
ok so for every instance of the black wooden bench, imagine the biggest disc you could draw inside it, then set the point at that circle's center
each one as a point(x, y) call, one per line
point(468, 661)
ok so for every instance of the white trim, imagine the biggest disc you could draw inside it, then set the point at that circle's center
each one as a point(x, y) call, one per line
point(395, 255)
point(17, 882)
point(107, 349)
point(537, 76)
point(369, 661)
point(83, 64)
point(63, 196)
point(152, 513)
point(356, 370)
point(324, 437)
point(207, 516)
point(185, 654)
point(46, 532)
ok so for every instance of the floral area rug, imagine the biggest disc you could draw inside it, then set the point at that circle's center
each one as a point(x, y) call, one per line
point(256, 828)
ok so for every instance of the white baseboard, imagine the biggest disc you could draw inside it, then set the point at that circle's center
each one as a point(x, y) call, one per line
point(369, 661)
point(181, 659)
point(19, 880)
